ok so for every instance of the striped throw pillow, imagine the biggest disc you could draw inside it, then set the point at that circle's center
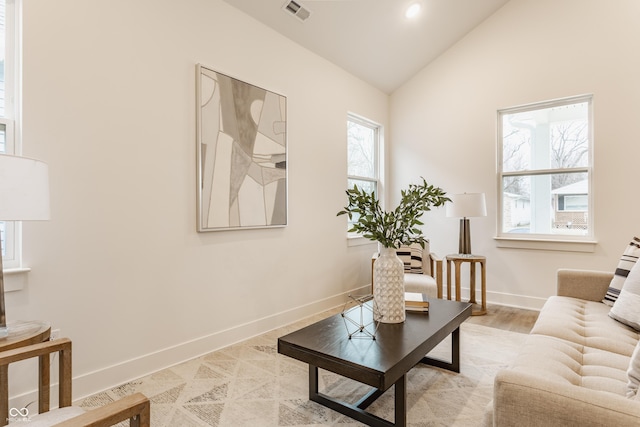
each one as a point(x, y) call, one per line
point(411, 257)
point(627, 261)
point(627, 307)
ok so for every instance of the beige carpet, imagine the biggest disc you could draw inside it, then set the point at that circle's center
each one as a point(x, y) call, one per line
point(249, 384)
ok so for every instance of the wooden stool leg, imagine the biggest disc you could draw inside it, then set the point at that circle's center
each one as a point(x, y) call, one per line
point(472, 282)
point(457, 264)
point(4, 395)
point(448, 280)
point(44, 385)
point(484, 286)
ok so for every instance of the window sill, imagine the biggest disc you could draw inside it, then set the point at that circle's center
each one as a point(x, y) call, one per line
point(546, 244)
point(15, 278)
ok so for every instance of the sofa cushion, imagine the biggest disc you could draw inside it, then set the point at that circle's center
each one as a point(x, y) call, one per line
point(524, 399)
point(626, 309)
point(575, 342)
point(562, 361)
point(585, 323)
point(626, 263)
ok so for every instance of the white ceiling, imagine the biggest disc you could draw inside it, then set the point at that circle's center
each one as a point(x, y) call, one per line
point(372, 39)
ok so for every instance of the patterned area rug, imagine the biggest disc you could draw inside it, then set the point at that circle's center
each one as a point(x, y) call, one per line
point(250, 384)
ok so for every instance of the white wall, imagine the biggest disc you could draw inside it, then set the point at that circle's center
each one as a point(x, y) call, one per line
point(444, 126)
point(109, 104)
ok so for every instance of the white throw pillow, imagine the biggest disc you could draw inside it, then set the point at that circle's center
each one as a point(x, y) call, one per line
point(626, 263)
point(626, 309)
point(634, 374)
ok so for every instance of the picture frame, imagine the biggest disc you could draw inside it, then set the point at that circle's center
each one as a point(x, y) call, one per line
point(241, 154)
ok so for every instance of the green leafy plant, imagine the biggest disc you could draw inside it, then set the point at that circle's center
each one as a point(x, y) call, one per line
point(400, 226)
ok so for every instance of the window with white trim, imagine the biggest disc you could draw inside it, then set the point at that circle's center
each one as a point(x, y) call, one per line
point(544, 170)
point(363, 155)
point(9, 82)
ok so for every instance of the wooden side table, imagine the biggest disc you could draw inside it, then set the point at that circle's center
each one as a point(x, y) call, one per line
point(22, 334)
point(457, 260)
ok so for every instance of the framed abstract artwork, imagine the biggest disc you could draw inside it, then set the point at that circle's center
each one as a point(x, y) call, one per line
point(241, 153)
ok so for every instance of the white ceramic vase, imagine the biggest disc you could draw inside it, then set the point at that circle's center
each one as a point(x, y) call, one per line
point(388, 286)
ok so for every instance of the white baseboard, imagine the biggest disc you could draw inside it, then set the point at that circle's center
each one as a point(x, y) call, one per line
point(90, 383)
point(512, 300)
point(519, 301)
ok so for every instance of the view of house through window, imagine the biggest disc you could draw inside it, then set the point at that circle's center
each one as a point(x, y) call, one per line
point(362, 154)
point(544, 169)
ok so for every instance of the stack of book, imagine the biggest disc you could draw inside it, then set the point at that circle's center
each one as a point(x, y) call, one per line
point(414, 301)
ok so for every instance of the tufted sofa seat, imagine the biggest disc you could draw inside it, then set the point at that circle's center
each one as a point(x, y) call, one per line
point(572, 370)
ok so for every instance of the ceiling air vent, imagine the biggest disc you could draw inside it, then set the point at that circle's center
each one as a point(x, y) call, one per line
point(297, 10)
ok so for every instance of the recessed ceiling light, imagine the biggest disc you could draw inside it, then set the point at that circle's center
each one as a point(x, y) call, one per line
point(413, 10)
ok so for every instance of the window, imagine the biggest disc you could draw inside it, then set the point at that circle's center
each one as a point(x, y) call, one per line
point(544, 170)
point(363, 147)
point(9, 230)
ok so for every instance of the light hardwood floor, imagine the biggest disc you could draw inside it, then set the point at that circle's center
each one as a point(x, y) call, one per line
point(507, 318)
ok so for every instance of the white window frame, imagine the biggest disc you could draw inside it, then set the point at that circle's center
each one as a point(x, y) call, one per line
point(563, 242)
point(355, 238)
point(12, 260)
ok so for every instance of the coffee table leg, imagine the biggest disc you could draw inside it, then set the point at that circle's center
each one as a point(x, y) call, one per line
point(313, 381)
point(357, 411)
point(454, 365)
point(401, 401)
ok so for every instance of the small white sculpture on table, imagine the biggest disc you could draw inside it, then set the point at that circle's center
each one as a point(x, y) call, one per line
point(361, 317)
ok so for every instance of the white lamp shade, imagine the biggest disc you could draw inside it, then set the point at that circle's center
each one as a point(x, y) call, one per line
point(466, 205)
point(24, 189)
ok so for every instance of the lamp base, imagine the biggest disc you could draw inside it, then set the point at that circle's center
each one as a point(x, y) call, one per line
point(464, 242)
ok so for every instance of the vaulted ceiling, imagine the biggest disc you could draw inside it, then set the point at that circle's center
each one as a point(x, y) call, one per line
point(372, 39)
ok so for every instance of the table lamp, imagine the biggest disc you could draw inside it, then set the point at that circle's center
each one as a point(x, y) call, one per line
point(464, 206)
point(24, 196)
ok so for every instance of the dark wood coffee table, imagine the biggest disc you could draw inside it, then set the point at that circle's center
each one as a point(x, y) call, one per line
point(379, 363)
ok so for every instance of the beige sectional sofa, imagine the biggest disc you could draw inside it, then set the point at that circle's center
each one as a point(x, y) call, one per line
point(572, 370)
